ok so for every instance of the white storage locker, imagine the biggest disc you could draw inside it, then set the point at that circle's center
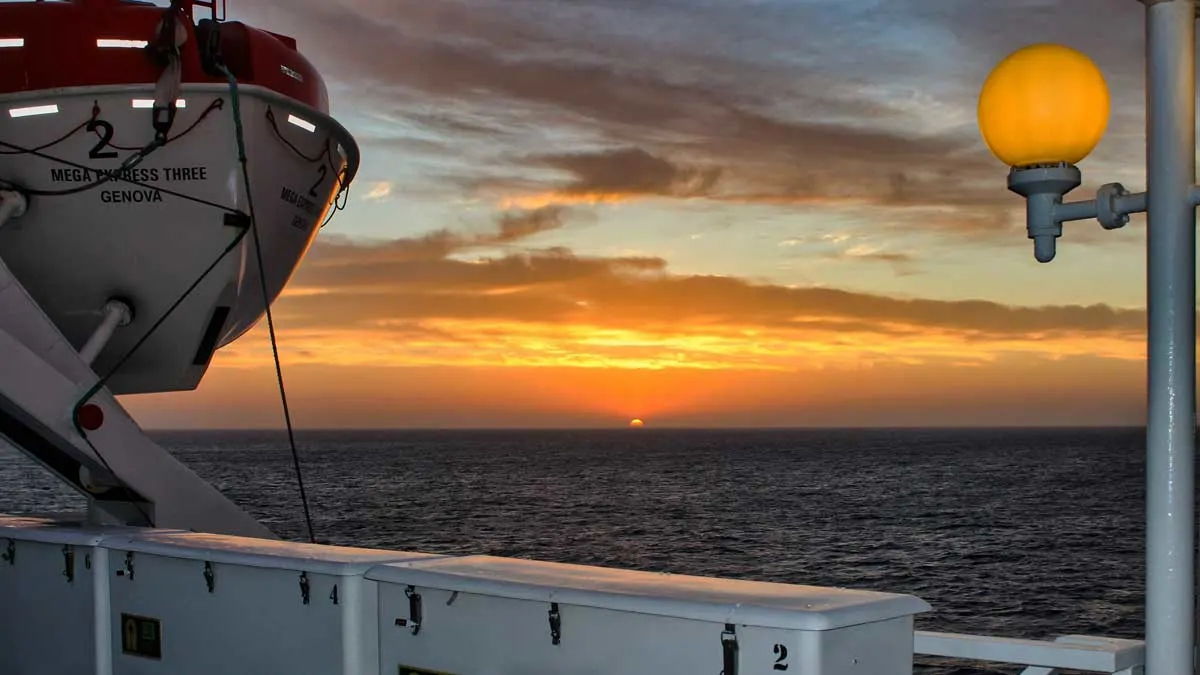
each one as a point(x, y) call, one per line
point(200, 604)
point(53, 591)
point(493, 616)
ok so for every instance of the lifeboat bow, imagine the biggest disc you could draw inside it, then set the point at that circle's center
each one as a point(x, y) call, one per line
point(155, 197)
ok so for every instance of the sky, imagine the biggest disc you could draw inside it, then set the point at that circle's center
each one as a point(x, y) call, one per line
point(694, 212)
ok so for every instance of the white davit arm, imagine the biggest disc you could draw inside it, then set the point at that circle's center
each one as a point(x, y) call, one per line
point(126, 477)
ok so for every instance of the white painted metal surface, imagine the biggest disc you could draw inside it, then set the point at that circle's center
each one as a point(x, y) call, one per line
point(155, 602)
point(21, 317)
point(53, 598)
point(1067, 652)
point(257, 616)
point(66, 584)
point(37, 397)
point(145, 245)
point(42, 377)
point(493, 615)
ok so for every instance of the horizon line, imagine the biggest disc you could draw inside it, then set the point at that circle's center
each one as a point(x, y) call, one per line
point(652, 428)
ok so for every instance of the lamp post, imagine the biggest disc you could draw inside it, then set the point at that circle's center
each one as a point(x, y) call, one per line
point(1043, 109)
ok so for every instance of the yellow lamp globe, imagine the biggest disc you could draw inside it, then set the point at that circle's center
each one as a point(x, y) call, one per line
point(1043, 104)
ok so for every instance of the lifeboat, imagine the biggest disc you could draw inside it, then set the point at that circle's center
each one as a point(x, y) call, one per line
point(175, 164)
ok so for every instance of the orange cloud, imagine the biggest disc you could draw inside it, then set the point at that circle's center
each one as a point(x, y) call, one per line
point(1016, 390)
point(425, 301)
point(549, 199)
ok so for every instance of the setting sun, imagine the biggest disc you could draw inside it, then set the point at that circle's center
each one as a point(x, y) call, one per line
point(636, 423)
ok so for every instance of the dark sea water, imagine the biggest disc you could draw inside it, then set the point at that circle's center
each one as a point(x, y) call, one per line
point(1021, 533)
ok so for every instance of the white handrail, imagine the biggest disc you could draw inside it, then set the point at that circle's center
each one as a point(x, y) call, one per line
point(1069, 652)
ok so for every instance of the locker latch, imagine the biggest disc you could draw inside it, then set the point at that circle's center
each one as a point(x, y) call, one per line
point(128, 571)
point(555, 624)
point(729, 649)
point(413, 622)
point(69, 562)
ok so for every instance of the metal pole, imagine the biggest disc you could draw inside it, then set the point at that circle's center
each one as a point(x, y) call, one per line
point(116, 313)
point(1171, 342)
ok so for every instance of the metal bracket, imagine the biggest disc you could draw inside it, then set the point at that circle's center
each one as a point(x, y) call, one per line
point(12, 205)
point(729, 650)
point(10, 553)
point(413, 622)
point(1195, 191)
point(304, 587)
point(1107, 211)
point(117, 313)
point(210, 579)
point(555, 624)
point(69, 562)
point(1044, 187)
point(128, 571)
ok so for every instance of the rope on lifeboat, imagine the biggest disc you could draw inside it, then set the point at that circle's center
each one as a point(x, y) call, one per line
point(343, 194)
point(130, 162)
point(235, 102)
point(165, 49)
point(60, 139)
point(217, 104)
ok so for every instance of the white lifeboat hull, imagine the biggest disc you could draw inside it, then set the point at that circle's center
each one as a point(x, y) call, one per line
point(150, 234)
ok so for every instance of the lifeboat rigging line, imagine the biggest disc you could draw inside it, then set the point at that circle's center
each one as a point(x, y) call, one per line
point(262, 279)
point(108, 176)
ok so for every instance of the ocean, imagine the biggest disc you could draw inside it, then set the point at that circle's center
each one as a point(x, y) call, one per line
point(1009, 532)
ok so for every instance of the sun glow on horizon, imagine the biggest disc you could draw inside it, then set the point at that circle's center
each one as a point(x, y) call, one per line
point(636, 423)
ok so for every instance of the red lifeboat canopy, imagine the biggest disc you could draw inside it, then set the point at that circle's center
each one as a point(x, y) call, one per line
point(51, 44)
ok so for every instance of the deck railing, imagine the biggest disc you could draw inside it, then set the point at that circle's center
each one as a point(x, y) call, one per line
point(1041, 657)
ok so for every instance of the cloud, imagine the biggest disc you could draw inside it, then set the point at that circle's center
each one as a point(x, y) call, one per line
point(912, 198)
point(846, 246)
point(344, 255)
point(542, 105)
point(637, 292)
point(630, 171)
point(378, 191)
point(424, 301)
point(649, 113)
point(519, 225)
point(884, 256)
point(902, 262)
